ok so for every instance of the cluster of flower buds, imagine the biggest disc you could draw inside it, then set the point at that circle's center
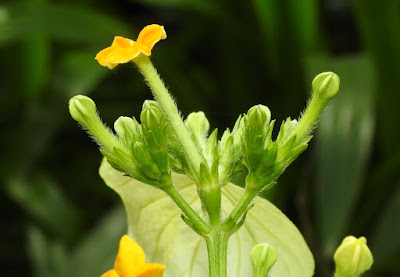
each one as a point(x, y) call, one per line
point(140, 150)
point(221, 159)
point(267, 159)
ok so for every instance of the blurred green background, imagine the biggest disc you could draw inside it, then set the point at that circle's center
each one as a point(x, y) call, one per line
point(221, 56)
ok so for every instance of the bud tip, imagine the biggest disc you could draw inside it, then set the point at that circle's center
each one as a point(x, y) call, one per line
point(82, 108)
point(326, 84)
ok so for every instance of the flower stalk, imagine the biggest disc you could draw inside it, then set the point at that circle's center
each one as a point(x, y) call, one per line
point(163, 97)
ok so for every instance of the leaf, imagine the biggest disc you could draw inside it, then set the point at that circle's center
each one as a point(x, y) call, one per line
point(42, 198)
point(48, 257)
point(385, 241)
point(68, 23)
point(154, 221)
point(78, 73)
point(97, 251)
point(200, 6)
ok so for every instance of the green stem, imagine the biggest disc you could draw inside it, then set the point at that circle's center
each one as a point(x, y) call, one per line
point(309, 118)
point(217, 244)
point(163, 97)
point(242, 204)
point(187, 210)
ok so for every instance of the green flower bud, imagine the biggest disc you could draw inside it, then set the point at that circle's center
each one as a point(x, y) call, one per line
point(82, 109)
point(141, 154)
point(326, 85)
point(151, 115)
point(256, 132)
point(286, 130)
point(210, 151)
point(128, 130)
point(225, 157)
point(263, 257)
point(353, 257)
point(259, 116)
point(237, 135)
point(145, 161)
point(198, 125)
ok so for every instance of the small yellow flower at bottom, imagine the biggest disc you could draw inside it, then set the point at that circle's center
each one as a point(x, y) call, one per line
point(131, 262)
point(352, 257)
point(124, 50)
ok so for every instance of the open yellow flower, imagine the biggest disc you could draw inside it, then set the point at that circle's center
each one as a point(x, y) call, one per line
point(131, 262)
point(123, 50)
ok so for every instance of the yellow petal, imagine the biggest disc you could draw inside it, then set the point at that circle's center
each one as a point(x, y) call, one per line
point(121, 55)
point(130, 258)
point(150, 35)
point(102, 56)
point(110, 273)
point(151, 270)
point(122, 42)
point(120, 51)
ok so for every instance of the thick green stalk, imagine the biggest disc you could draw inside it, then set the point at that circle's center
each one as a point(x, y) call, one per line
point(217, 244)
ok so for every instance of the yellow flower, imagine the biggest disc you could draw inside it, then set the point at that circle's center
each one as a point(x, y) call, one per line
point(123, 50)
point(131, 262)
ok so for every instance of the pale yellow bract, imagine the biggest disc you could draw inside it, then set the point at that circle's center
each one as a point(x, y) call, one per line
point(124, 50)
point(131, 262)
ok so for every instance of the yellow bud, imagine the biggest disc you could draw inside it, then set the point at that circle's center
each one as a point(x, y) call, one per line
point(353, 257)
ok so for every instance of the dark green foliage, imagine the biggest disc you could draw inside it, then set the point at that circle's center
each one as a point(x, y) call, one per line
point(221, 57)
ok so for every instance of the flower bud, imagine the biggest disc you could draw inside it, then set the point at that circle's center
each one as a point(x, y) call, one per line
point(326, 85)
point(255, 135)
point(263, 257)
point(151, 115)
point(225, 157)
point(141, 154)
point(259, 116)
point(128, 130)
point(198, 124)
point(82, 109)
point(353, 257)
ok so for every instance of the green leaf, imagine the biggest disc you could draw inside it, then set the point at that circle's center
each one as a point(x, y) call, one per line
point(96, 253)
point(43, 200)
point(155, 223)
point(385, 241)
point(68, 23)
point(77, 73)
point(48, 257)
point(200, 6)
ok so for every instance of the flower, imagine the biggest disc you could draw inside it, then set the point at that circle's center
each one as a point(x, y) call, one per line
point(124, 50)
point(131, 262)
point(353, 257)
